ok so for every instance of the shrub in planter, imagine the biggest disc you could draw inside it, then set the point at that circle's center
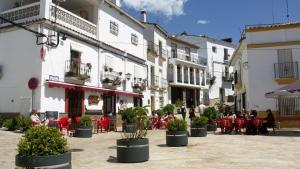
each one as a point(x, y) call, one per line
point(1, 123)
point(212, 114)
point(129, 120)
point(177, 134)
point(198, 127)
point(11, 124)
point(169, 109)
point(24, 123)
point(84, 129)
point(42, 147)
point(134, 147)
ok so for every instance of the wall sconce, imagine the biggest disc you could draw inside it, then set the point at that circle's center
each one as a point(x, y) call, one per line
point(128, 76)
point(245, 65)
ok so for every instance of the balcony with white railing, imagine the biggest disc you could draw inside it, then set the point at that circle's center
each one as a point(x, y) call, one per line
point(45, 9)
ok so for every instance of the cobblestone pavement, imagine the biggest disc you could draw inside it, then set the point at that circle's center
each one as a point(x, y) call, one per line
point(280, 151)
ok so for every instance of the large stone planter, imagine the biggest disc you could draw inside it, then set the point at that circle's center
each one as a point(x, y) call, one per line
point(62, 161)
point(198, 131)
point(132, 150)
point(129, 127)
point(83, 132)
point(176, 139)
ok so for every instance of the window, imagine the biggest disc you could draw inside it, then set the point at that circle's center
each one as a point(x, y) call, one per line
point(114, 28)
point(286, 68)
point(188, 53)
point(174, 50)
point(288, 106)
point(134, 39)
point(214, 49)
point(226, 54)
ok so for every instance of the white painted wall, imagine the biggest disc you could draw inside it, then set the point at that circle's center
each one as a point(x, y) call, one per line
point(126, 28)
point(20, 59)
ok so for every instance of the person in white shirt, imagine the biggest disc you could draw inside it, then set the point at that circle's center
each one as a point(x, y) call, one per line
point(35, 119)
point(201, 108)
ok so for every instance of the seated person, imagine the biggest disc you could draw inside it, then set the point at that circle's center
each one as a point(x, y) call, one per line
point(270, 121)
point(35, 119)
point(232, 116)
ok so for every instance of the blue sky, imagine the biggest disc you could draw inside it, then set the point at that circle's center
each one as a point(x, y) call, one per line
point(214, 18)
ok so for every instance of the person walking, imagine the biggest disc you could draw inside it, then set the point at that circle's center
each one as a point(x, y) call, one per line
point(183, 111)
point(192, 113)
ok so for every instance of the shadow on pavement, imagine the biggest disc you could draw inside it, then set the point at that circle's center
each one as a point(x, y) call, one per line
point(162, 145)
point(76, 150)
point(112, 147)
point(112, 159)
point(285, 133)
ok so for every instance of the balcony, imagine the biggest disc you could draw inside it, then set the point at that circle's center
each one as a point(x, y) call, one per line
point(154, 82)
point(52, 12)
point(163, 84)
point(139, 85)
point(77, 72)
point(286, 70)
point(156, 50)
point(111, 79)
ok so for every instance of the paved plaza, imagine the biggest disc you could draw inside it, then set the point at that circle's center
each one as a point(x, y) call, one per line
point(280, 151)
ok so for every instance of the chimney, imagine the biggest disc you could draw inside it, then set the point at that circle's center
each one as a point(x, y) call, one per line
point(229, 40)
point(116, 2)
point(143, 16)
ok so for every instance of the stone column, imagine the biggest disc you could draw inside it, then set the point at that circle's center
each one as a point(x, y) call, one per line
point(189, 75)
point(182, 74)
point(174, 73)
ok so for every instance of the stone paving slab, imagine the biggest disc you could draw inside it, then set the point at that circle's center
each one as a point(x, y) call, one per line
point(280, 151)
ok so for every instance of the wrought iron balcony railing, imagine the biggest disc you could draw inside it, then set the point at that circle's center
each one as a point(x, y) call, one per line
point(80, 71)
point(286, 70)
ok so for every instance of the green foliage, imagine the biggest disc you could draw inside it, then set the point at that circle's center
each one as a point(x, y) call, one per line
point(11, 124)
point(159, 112)
point(42, 141)
point(24, 122)
point(169, 108)
point(199, 121)
point(86, 121)
point(1, 122)
point(211, 113)
point(177, 125)
point(129, 116)
point(179, 103)
point(139, 114)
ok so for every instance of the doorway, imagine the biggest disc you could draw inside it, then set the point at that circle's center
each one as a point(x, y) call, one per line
point(109, 104)
point(74, 103)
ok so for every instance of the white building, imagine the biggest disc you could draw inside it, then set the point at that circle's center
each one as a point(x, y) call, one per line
point(266, 59)
point(214, 54)
point(157, 57)
point(185, 73)
point(84, 53)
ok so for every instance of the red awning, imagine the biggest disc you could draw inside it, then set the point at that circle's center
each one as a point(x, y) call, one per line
point(59, 84)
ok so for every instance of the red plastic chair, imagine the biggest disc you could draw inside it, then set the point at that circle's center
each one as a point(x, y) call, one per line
point(103, 123)
point(65, 123)
point(226, 125)
point(155, 122)
point(239, 124)
point(257, 123)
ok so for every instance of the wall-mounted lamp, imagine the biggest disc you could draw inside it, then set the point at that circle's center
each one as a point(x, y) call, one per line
point(128, 76)
point(245, 65)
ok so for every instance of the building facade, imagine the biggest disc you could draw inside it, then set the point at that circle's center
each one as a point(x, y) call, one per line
point(85, 54)
point(214, 54)
point(265, 60)
point(157, 57)
point(185, 73)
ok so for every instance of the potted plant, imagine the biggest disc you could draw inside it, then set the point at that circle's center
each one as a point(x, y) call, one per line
point(177, 134)
point(43, 147)
point(198, 127)
point(129, 120)
point(212, 114)
point(11, 124)
point(169, 109)
point(134, 147)
point(23, 123)
point(178, 105)
point(1, 123)
point(84, 128)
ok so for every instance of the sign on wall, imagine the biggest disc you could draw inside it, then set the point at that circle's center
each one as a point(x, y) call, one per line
point(93, 99)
